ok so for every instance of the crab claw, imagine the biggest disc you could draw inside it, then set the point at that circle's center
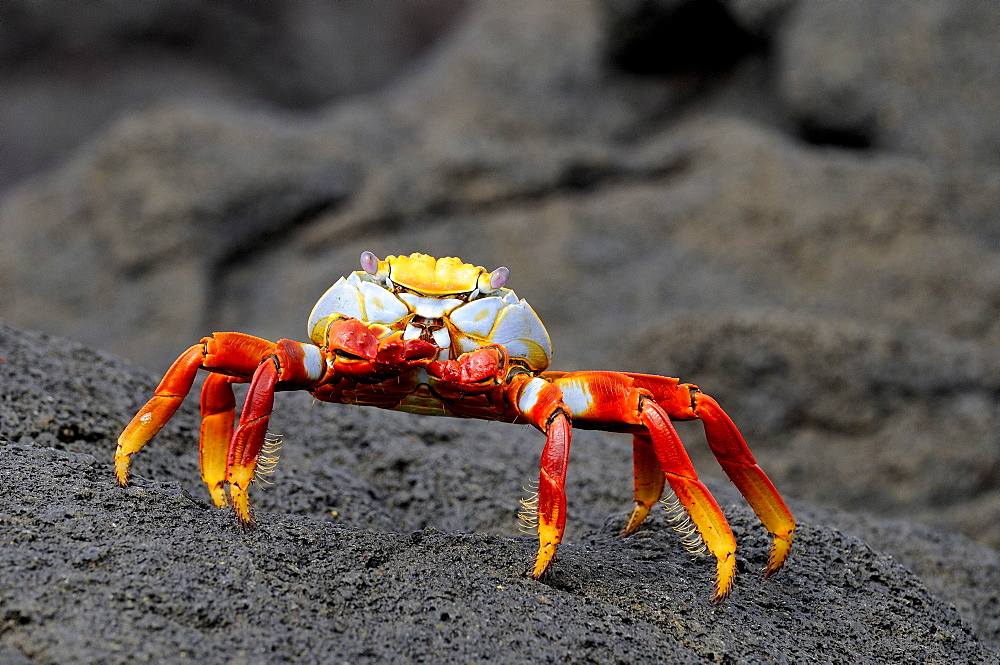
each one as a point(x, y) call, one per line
point(396, 351)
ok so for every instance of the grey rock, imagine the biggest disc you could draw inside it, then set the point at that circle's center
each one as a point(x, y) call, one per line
point(919, 78)
point(68, 72)
point(406, 551)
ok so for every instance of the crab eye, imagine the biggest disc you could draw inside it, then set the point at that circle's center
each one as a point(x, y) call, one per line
point(499, 277)
point(369, 262)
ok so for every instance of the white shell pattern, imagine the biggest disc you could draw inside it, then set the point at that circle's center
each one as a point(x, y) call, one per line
point(505, 320)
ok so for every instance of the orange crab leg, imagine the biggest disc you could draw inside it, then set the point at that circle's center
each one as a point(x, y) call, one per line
point(686, 402)
point(233, 354)
point(218, 404)
point(693, 495)
point(613, 401)
point(173, 388)
point(649, 480)
point(540, 402)
point(739, 464)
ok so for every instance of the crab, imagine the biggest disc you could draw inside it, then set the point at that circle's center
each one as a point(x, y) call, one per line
point(446, 338)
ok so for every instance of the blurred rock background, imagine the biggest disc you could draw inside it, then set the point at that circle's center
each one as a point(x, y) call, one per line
point(794, 204)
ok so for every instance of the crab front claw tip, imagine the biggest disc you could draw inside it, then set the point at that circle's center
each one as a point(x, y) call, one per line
point(418, 349)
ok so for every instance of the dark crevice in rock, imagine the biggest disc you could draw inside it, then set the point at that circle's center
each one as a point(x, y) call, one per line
point(658, 38)
point(853, 138)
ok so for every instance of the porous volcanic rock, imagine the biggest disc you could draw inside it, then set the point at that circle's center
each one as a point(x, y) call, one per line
point(388, 537)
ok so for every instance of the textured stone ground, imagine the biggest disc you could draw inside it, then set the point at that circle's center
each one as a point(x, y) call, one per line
point(391, 538)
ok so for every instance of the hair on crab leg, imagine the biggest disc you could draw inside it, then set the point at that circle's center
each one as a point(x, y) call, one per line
point(699, 503)
point(248, 439)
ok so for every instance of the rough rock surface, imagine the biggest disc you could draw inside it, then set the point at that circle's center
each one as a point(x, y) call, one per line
point(793, 203)
point(389, 538)
point(70, 71)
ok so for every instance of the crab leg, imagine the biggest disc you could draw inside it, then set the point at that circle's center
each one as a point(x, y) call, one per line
point(295, 365)
point(218, 405)
point(234, 354)
point(173, 388)
point(739, 464)
point(537, 401)
point(613, 401)
point(692, 494)
point(684, 401)
point(353, 350)
point(540, 402)
point(248, 439)
point(649, 480)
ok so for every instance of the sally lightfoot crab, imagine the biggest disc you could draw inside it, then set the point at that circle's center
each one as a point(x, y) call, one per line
point(442, 337)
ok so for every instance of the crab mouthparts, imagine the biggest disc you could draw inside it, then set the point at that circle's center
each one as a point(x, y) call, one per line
point(430, 330)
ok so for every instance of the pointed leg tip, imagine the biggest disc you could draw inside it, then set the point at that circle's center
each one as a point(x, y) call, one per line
point(773, 567)
point(635, 520)
point(241, 506)
point(544, 558)
point(245, 521)
point(121, 470)
point(541, 566)
point(779, 554)
point(219, 498)
point(725, 577)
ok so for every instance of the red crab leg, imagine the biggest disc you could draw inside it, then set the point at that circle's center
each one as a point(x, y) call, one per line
point(693, 495)
point(540, 402)
point(248, 439)
point(685, 402)
point(739, 464)
point(612, 401)
point(218, 404)
point(295, 365)
point(354, 351)
point(649, 480)
point(228, 353)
